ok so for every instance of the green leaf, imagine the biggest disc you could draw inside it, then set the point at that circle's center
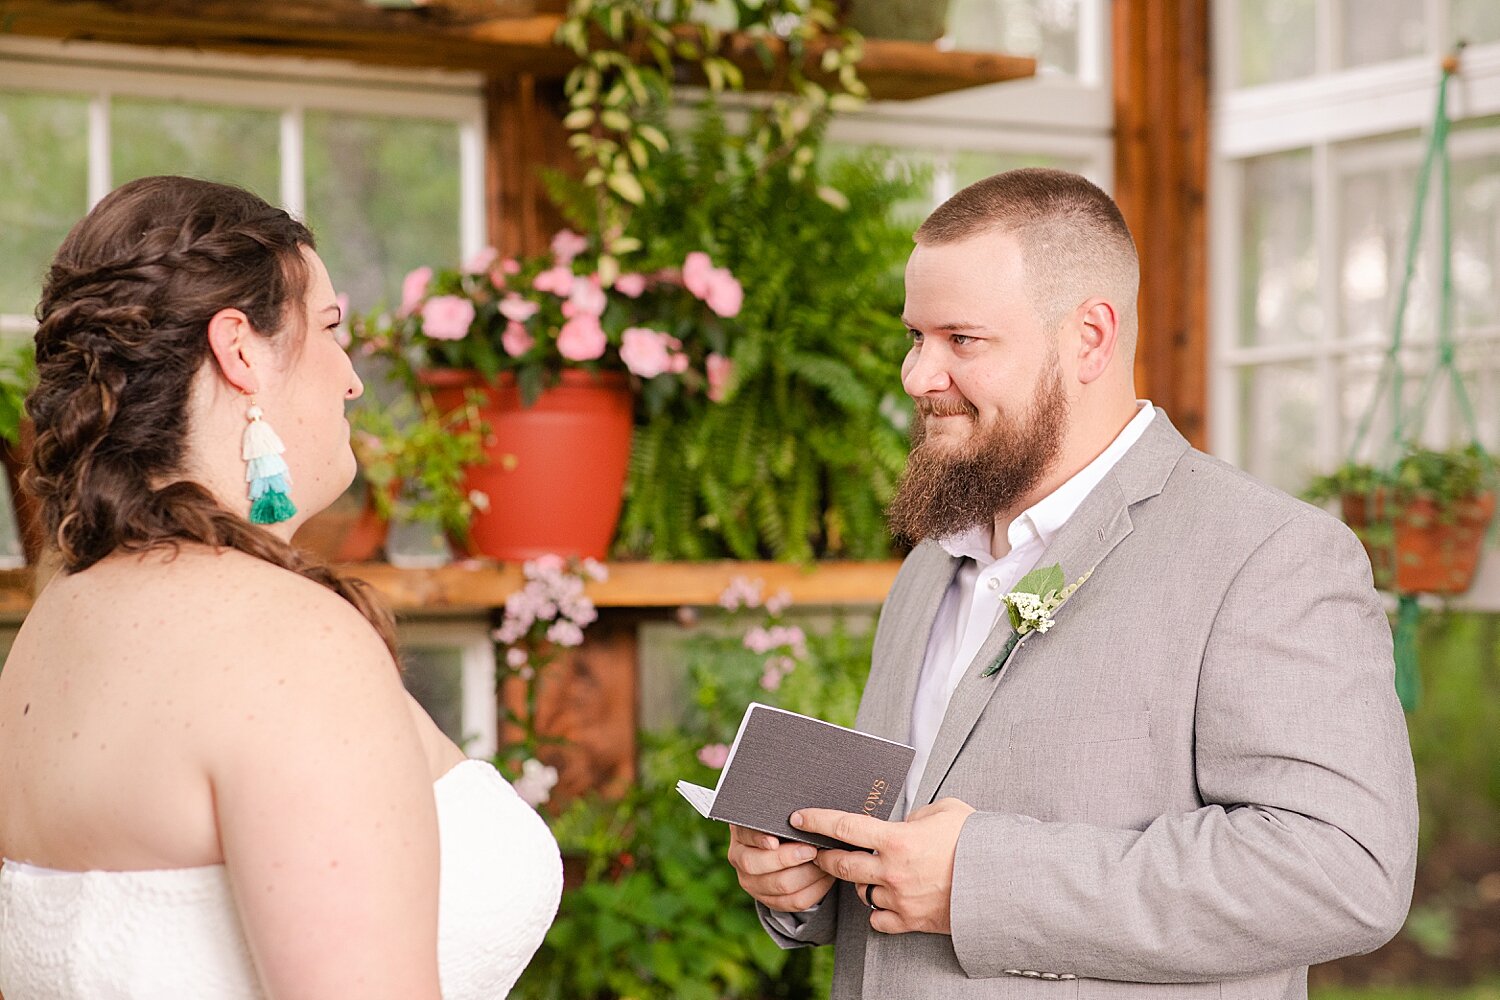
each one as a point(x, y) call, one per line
point(627, 187)
point(1041, 581)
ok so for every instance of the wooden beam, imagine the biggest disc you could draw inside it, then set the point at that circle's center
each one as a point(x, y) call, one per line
point(525, 134)
point(1161, 180)
point(452, 35)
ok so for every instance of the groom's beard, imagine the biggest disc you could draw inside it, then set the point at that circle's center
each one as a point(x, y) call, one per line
point(950, 487)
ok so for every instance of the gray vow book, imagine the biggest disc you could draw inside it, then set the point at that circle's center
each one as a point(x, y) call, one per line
point(781, 762)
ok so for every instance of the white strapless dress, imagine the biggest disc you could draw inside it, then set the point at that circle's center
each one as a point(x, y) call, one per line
point(174, 934)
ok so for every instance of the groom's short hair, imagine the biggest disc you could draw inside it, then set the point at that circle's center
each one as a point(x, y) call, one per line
point(1074, 241)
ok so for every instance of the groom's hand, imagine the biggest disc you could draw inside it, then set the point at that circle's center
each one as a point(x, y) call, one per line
point(911, 872)
point(781, 875)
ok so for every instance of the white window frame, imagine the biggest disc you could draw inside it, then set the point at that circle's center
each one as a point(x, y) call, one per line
point(1318, 113)
point(480, 709)
point(292, 87)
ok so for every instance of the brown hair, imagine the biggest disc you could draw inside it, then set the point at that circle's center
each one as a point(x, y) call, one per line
point(121, 335)
point(1073, 238)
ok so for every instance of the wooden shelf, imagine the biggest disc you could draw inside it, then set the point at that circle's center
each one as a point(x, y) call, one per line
point(450, 35)
point(477, 586)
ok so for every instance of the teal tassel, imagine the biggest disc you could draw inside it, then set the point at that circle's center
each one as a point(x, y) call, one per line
point(272, 507)
point(1408, 677)
point(259, 487)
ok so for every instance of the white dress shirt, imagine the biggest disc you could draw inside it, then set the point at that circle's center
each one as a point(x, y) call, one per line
point(974, 600)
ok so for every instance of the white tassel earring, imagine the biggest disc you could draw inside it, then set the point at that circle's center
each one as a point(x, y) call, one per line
point(267, 473)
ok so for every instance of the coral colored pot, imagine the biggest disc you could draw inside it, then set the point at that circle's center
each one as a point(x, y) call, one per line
point(556, 471)
point(1436, 552)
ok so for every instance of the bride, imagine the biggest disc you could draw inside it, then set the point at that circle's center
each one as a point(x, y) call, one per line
point(212, 782)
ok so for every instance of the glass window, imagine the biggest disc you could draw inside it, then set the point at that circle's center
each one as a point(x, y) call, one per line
point(1279, 295)
point(382, 198)
point(233, 145)
point(1380, 30)
point(1475, 20)
point(1044, 29)
point(1278, 423)
point(43, 187)
point(1277, 40)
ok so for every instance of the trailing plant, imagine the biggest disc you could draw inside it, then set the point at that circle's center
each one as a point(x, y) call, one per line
point(17, 375)
point(1443, 477)
point(658, 913)
point(630, 52)
point(414, 459)
point(807, 446)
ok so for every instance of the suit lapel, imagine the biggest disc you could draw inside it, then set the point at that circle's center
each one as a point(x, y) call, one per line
point(886, 708)
point(1101, 522)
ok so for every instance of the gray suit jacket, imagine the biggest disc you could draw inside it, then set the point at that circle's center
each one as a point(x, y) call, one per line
point(1199, 776)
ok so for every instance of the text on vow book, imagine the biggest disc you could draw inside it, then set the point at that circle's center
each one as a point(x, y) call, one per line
point(781, 762)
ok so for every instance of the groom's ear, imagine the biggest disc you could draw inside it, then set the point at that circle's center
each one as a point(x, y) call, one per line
point(1098, 336)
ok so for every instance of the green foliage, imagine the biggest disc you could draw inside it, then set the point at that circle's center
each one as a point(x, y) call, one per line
point(17, 376)
point(659, 914)
point(414, 459)
point(1420, 473)
point(801, 456)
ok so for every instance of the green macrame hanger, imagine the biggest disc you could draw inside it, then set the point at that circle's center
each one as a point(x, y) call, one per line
point(1406, 426)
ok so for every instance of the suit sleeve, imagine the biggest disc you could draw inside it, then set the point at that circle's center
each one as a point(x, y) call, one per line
point(801, 930)
point(1305, 848)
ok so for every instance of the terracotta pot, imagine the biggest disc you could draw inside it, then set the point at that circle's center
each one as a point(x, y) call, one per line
point(555, 475)
point(1435, 551)
point(348, 530)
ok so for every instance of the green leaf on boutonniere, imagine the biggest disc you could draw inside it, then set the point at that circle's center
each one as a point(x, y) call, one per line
point(1041, 581)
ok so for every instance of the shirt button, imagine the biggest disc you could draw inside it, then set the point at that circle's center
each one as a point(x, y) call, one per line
point(994, 583)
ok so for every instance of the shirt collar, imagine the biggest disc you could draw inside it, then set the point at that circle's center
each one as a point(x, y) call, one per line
point(1046, 517)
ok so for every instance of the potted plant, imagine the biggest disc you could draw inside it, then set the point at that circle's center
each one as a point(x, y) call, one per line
point(17, 376)
point(556, 349)
point(415, 460)
point(1422, 522)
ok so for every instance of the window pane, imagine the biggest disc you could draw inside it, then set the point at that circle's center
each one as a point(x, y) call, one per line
point(43, 188)
point(1476, 226)
point(1359, 378)
point(1378, 30)
point(1475, 20)
point(1279, 283)
point(1276, 40)
point(434, 676)
point(1278, 424)
point(382, 198)
point(1376, 188)
point(1045, 29)
point(972, 166)
point(233, 145)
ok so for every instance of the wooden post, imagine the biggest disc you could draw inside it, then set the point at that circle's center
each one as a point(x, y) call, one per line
point(1161, 178)
point(525, 134)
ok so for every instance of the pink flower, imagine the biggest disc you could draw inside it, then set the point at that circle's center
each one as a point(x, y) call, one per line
point(481, 261)
point(719, 370)
point(513, 307)
point(515, 657)
point(725, 295)
point(679, 362)
point(516, 339)
point(581, 339)
point(341, 332)
point(447, 317)
point(545, 566)
point(567, 244)
point(758, 640)
point(713, 755)
point(646, 352)
point(557, 280)
point(595, 570)
point(536, 782)
point(741, 592)
point(696, 269)
point(414, 289)
point(779, 601)
point(586, 298)
point(770, 679)
point(631, 285)
point(565, 633)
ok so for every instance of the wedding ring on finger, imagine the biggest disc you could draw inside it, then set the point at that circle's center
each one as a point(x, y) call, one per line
point(870, 898)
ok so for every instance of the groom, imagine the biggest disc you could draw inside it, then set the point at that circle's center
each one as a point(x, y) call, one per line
point(1198, 773)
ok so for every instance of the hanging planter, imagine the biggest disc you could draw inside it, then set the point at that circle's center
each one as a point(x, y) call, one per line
point(554, 474)
point(1421, 546)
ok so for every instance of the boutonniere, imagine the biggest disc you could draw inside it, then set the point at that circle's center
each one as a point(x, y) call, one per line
point(1032, 604)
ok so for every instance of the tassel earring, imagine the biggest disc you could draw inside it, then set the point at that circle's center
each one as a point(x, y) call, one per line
point(269, 476)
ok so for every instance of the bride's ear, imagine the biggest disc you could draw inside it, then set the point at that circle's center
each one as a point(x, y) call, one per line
point(232, 340)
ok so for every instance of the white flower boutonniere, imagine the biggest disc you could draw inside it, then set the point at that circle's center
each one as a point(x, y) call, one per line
point(1032, 604)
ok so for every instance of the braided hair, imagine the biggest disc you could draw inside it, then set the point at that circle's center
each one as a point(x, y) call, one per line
point(121, 335)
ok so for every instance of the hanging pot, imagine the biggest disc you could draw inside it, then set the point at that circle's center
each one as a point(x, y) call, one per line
point(1435, 550)
point(555, 475)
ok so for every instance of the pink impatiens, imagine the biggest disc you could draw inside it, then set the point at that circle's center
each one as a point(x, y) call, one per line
point(649, 353)
point(582, 338)
point(714, 285)
point(447, 317)
point(719, 368)
point(414, 290)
